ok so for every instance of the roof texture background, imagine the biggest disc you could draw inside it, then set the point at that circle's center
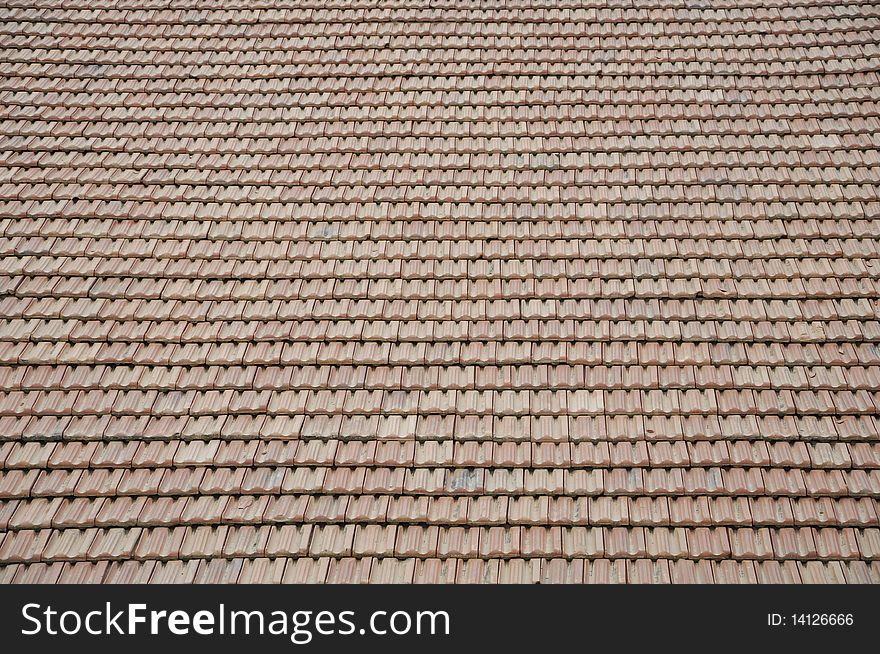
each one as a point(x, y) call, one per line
point(399, 290)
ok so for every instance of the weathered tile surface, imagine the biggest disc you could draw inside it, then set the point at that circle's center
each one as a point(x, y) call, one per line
point(408, 291)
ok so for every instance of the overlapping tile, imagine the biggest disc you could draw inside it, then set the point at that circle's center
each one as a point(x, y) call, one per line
point(410, 292)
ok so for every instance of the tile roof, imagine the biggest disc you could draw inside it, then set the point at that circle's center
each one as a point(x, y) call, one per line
point(448, 291)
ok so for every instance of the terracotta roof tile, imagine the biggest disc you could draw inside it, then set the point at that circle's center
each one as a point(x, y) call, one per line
point(572, 323)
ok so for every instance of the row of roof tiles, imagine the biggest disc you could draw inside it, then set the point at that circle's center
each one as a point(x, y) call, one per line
point(170, 368)
point(429, 453)
point(553, 145)
point(432, 541)
point(500, 510)
point(631, 193)
point(126, 335)
point(461, 128)
point(416, 300)
point(415, 185)
point(67, 217)
point(558, 276)
point(559, 54)
point(461, 21)
point(465, 571)
point(750, 361)
point(391, 406)
point(225, 91)
point(438, 427)
point(584, 481)
point(661, 107)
